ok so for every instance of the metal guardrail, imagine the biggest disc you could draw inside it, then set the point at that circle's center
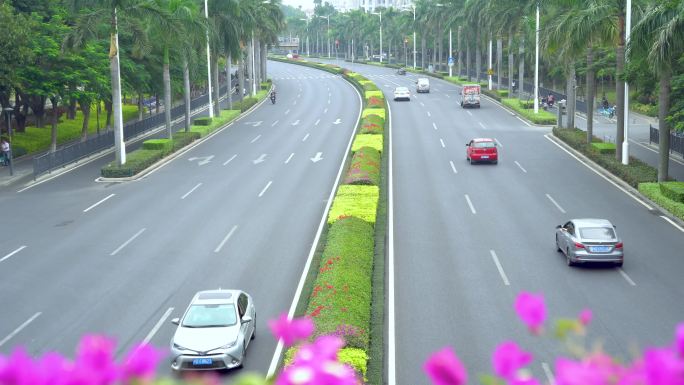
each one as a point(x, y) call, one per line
point(77, 151)
point(676, 139)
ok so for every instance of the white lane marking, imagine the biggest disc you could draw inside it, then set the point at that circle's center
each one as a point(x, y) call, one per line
point(434, 126)
point(289, 157)
point(555, 203)
point(287, 112)
point(12, 253)
point(521, 167)
point(482, 125)
point(95, 205)
point(325, 111)
point(472, 208)
point(294, 103)
point(328, 101)
point(329, 94)
point(442, 141)
point(305, 137)
point(662, 216)
point(391, 354)
point(626, 277)
point(599, 174)
point(274, 123)
point(447, 95)
point(497, 142)
point(500, 268)
point(548, 373)
point(429, 114)
point(469, 113)
point(655, 151)
point(190, 192)
point(157, 326)
point(453, 167)
point(299, 95)
point(230, 160)
point(318, 121)
point(524, 121)
point(131, 239)
point(265, 188)
point(256, 138)
point(422, 104)
point(225, 239)
point(20, 328)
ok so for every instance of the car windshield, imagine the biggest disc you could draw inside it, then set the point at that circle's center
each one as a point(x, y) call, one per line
point(200, 316)
point(484, 144)
point(602, 233)
point(401, 89)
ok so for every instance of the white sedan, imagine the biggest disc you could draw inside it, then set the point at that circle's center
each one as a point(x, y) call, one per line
point(402, 93)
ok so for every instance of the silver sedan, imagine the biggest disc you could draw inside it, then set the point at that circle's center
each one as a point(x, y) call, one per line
point(589, 240)
point(214, 331)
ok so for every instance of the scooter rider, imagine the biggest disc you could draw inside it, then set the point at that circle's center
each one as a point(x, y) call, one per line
point(273, 96)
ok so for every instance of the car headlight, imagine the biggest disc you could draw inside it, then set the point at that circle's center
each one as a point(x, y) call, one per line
point(176, 346)
point(229, 345)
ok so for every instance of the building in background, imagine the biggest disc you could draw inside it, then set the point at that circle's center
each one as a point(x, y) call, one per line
point(367, 5)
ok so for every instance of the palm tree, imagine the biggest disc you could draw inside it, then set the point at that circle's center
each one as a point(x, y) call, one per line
point(660, 35)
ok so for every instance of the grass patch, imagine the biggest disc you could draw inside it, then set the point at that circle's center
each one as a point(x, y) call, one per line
point(356, 201)
point(354, 357)
point(543, 117)
point(364, 168)
point(367, 140)
point(374, 111)
point(654, 193)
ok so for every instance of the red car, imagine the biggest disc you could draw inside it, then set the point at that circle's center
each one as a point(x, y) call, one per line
point(482, 150)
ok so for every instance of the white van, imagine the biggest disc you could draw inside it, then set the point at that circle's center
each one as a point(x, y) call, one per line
point(423, 85)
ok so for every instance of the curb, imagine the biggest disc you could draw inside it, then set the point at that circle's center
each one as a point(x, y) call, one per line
point(655, 208)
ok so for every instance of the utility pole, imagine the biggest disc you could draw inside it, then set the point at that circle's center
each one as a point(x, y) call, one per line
point(625, 142)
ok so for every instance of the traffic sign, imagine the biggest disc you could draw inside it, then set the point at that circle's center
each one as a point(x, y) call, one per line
point(490, 71)
point(451, 61)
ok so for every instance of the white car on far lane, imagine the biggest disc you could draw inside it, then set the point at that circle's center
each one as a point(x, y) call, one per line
point(402, 93)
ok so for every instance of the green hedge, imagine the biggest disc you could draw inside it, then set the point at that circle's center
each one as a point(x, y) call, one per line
point(340, 302)
point(372, 124)
point(673, 190)
point(245, 104)
point(604, 148)
point(653, 192)
point(354, 357)
point(364, 168)
point(544, 117)
point(203, 121)
point(373, 111)
point(353, 200)
point(367, 140)
point(634, 173)
point(225, 117)
point(163, 145)
point(136, 161)
point(369, 86)
point(182, 139)
point(644, 109)
point(377, 94)
point(375, 102)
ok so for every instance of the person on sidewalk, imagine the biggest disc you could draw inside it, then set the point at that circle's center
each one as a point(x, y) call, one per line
point(4, 152)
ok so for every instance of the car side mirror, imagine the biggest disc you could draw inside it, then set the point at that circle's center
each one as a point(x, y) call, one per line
point(615, 227)
point(246, 319)
point(175, 321)
point(467, 144)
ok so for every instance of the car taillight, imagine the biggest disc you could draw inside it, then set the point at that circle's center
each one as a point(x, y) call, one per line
point(579, 245)
point(618, 245)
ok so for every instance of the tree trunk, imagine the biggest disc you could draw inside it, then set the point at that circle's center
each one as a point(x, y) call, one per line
point(37, 104)
point(186, 93)
point(215, 87)
point(571, 102)
point(521, 68)
point(468, 61)
point(119, 143)
point(510, 64)
point(440, 46)
point(85, 108)
point(71, 111)
point(620, 101)
point(250, 72)
point(264, 61)
point(229, 92)
point(663, 127)
point(423, 47)
point(478, 58)
point(167, 94)
point(499, 59)
point(591, 90)
point(53, 130)
point(460, 53)
point(241, 75)
point(141, 107)
point(108, 118)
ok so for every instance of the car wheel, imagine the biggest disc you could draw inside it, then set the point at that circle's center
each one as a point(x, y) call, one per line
point(558, 249)
point(568, 260)
point(254, 331)
point(618, 264)
point(470, 161)
point(244, 353)
point(496, 162)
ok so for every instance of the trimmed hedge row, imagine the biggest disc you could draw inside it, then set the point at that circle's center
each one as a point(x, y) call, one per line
point(654, 192)
point(364, 168)
point(356, 201)
point(634, 173)
point(372, 124)
point(367, 140)
point(136, 161)
point(374, 111)
point(604, 148)
point(673, 190)
point(543, 117)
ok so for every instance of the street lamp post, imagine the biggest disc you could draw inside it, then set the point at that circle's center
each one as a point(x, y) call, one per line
point(536, 66)
point(413, 8)
point(211, 104)
point(450, 63)
point(625, 142)
point(380, 14)
point(307, 36)
point(8, 115)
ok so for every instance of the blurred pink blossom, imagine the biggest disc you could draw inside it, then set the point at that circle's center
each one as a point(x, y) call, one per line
point(663, 366)
point(140, 363)
point(679, 339)
point(585, 317)
point(597, 369)
point(508, 358)
point(444, 368)
point(291, 330)
point(317, 363)
point(531, 310)
point(96, 353)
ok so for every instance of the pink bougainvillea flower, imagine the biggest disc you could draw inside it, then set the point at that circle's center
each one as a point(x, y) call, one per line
point(291, 330)
point(17, 369)
point(444, 368)
point(597, 369)
point(585, 317)
point(679, 339)
point(531, 310)
point(317, 363)
point(140, 363)
point(508, 358)
point(663, 367)
point(523, 381)
point(96, 353)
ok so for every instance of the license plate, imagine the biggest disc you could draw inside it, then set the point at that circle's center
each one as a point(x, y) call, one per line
point(485, 156)
point(599, 249)
point(201, 361)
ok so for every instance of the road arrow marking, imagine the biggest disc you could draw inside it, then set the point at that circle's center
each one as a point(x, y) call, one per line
point(317, 157)
point(305, 137)
point(318, 121)
point(338, 121)
point(296, 122)
point(202, 159)
point(259, 159)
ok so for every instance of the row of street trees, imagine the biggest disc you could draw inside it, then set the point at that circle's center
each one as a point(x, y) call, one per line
point(76, 53)
point(581, 41)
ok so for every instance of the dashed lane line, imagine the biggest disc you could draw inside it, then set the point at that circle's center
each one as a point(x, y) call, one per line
point(20, 328)
point(225, 239)
point(99, 202)
point(131, 239)
point(157, 326)
point(556, 204)
point(191, 190)
point(502, 273)
point(12, 253)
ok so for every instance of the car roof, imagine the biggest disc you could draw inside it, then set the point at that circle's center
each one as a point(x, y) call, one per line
point(426, 79)
point(483, 140)
point(591, 222)
point(401, 88)
point(215, 297)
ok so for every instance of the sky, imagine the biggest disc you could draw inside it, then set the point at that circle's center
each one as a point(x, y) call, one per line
point(296, 3)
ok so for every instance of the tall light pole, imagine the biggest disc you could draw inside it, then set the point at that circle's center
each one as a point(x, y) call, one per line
point(211, 104)
point(307, 36)
point(489, 69)
point(380, 14)
point(413, 8)
point(536, 66)
point(451, 59)
point(625, 143)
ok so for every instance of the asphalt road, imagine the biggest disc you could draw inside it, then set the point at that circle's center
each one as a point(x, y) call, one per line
point(239, 210)
point(469, 238)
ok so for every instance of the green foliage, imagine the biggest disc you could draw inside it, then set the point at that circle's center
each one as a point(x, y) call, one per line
point(218, 121)
point(203, 121)
point(163, 145)
point(543, 117)
point(378, 94)
point(182, 139)
point(364, 168)
point(369, 86)
point(502, 93)
point(644, 109)
point(373, 111)
point(604, 148)
point(341, 298)
point(372, 124)
point(356, 358)
point(245, 104)
point(136, 162)
point(357, 201)
point(673, 190)
point(653, 192)
point(375, 102)
point(367, 140)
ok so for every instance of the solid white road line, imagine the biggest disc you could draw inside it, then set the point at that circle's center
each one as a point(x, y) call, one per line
point(500, 268)
point(305, 137)
point(555, 203)
point(328, 101)
point(422, 104)
point(497, 142)
point(524, 121)
point(662, 216)
point(20, 328)
point(95, 205)
point(318, 121)
point(549, 374)
point(429, 114)
point(190, 192)
point(265, 188)
point(12, 253)
point(229, 160)
point(472, 208)
point(289, 157)
point(521, 167)
point(225, 239)
point(482, 125)
point(128, 241)
point(434, 126)
point(442, 141)
point(599, 174)
point(294, 103)
point(287, 112)
point(655, 151)
point(391, 334)
point(453, 167)
point(325, 111)
point(157, 326)
point(469, 113)
point(274, 123)
point(626, 277)
point(256, 138)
